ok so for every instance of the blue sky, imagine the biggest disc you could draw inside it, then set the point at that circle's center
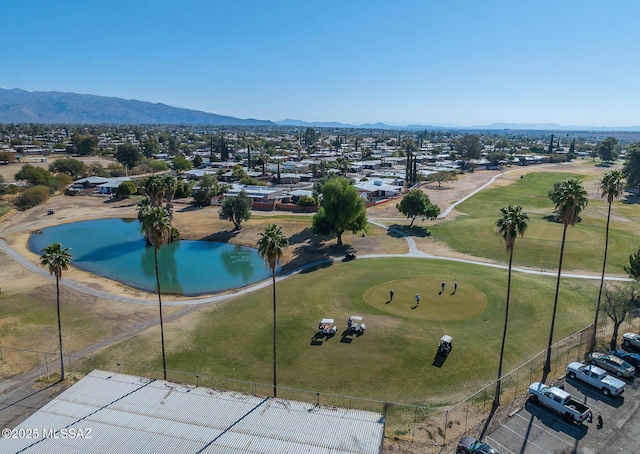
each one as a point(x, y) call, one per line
point(400, 62)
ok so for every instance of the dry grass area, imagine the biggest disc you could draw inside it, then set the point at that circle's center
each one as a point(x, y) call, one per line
point(8, 171)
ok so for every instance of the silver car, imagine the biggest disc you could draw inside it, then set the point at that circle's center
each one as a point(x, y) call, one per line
point(612, 363)
point(470, 445)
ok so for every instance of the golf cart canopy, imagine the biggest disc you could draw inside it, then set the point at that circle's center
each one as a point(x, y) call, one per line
point(327, 321)
point(446, 339)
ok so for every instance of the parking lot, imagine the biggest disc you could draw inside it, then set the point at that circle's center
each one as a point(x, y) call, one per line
point(536, 429)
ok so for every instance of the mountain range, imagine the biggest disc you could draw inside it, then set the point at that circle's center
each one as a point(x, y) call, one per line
point(20, 106)
point(52, 107)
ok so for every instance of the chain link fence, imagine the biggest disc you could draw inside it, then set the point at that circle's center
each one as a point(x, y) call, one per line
point(45, 364)
point(408, 428)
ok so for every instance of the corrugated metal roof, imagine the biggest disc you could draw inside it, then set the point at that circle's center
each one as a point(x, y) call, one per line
point(136, 415)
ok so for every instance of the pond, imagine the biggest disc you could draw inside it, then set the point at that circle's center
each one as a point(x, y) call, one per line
point(117, 250)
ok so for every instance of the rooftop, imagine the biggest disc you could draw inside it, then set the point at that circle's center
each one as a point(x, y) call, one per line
point(132, 414)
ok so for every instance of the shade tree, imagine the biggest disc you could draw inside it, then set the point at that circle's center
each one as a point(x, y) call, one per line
point(70, 166)
point(236, 209)
point(633, 270)
point(342, 209)
point(416, 204)
point(631, 167)
point(128, 155)
point(618, 302)
point(443, 176)
point(607, 149)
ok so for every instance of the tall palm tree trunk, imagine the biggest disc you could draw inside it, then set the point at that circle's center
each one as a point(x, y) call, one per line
point(273, 277)
point(164, 361)
point(592, 343)
point(59, 328)
point(547, 364)
point(496, 399)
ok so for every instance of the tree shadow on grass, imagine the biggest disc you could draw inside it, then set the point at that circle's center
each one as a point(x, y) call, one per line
point(556, 219)
point(310, 248)
point(416, 231)
point(221, 237)
point(189, 208)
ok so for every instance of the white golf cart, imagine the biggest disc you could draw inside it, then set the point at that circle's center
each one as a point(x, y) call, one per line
point(327, 326)
point(446, 345)
point(356, 325)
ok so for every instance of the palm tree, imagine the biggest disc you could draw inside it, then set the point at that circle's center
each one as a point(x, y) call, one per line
point(170, 184)
point(156, 224)
point(155, 187)
point(611, 187)
point(569, 198)
point(270, 246)
point(512, 223)
point(56, 259)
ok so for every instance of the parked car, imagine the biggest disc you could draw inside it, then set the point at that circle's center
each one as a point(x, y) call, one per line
point(470, 445)
point(596, 377)
point(612, 363)
point(631, 358)
point(631, 340)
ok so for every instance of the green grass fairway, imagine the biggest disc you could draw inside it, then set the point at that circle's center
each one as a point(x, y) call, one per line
point(434, 304)
point(394, 359)
point(4, 209)
point(473, 232)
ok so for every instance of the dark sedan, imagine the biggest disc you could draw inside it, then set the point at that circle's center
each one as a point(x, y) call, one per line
point(631, 358)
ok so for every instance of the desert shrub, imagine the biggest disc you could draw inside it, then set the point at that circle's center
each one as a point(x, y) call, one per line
point(306, 201)
point(183, 189)
point(115, 170)
point(58, 182)
point(126, 189)
point(31, 197)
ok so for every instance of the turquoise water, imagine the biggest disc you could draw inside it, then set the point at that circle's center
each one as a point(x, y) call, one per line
point(116, 249)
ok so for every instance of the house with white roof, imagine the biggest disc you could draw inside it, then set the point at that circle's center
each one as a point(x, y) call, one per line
point(375, 189)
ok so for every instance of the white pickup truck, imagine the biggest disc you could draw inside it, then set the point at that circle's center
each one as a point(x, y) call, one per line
point(596, 377)
point(559, 401)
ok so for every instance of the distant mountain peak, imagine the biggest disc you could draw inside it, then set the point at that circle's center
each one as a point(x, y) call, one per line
point(21, 106)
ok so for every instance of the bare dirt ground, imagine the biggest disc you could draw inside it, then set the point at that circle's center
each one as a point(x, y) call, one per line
point(8, 171)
